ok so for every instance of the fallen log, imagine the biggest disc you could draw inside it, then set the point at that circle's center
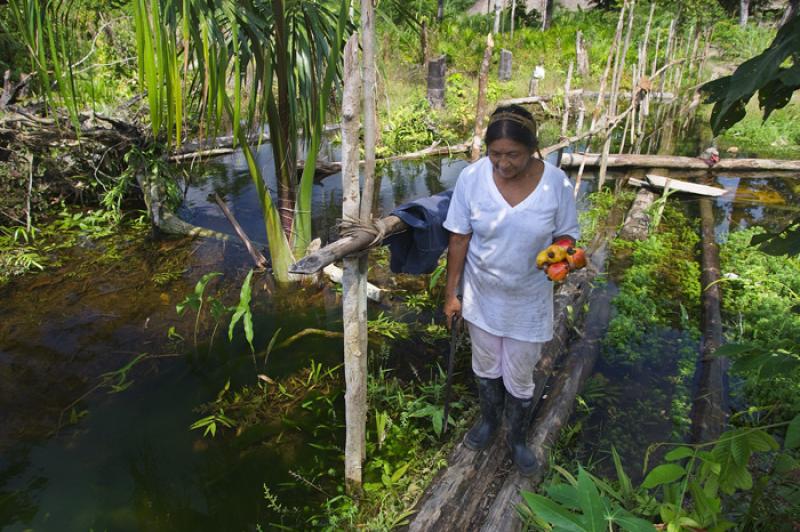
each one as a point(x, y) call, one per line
point(683, 163)
point(637, 221)
point(348, 245)
point(709, 409)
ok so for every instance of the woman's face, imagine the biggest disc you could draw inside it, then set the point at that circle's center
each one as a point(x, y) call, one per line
point(509, 158)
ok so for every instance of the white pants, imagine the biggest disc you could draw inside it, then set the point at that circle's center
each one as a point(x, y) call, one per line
point(497, 356)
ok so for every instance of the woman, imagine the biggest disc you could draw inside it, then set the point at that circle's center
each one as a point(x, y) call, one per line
point(505, 208)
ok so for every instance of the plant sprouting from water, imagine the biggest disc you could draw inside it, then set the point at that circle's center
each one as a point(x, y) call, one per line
point(198, 300)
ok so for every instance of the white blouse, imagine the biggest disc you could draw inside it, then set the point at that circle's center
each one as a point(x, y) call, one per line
point(503, 291)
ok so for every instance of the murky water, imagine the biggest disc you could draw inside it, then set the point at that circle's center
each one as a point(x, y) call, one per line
point(633, 406)
point(127, 460)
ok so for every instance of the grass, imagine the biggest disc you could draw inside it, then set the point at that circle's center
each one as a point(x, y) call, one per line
point(777, 137)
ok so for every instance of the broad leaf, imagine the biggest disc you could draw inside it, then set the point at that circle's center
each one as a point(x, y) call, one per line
point(552, 512)
point(792, 439)
point(590, 502)
point(663, 474)
point(678, 453)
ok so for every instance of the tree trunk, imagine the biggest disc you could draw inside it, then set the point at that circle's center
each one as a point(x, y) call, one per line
point(744, 12)
point(480, 110)
point(283, 144)
point(547, 14)
point(353, 285)
point(440, 11)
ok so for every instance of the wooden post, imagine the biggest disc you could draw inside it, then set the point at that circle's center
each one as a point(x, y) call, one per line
point(598, 106)
point(513, 14)
point(565, 118)
point(480, 110)
point(423, 37)
point(354, 295)
point(504, 71)
point(619, 68)
point(370, 107)
point(436, 79)
point(582, 56)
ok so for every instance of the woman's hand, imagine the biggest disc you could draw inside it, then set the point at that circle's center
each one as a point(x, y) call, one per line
point(452, 307)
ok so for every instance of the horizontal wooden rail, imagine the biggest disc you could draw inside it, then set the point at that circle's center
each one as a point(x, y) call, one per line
point(314, 262)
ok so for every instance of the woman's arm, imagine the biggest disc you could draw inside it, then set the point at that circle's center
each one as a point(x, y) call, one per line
point(456, 256)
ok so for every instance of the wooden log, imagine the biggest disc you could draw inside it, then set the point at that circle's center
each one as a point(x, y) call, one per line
point(436, 81)
point(637, 221)
point(709, 408)
point(348, 245)
point(679, 162)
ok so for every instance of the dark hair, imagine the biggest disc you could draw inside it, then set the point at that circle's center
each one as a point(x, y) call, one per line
point(512, 122)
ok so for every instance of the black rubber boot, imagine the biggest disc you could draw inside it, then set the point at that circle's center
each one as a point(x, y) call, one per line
point(490, 393)
point(518, 415)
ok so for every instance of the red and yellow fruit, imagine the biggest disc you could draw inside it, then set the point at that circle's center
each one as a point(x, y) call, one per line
point(558, 272)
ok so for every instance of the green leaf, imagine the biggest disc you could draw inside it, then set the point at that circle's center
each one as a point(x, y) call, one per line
point(759, 440)
point(553, 513)
point(564, 494)
point(590, 502)
point(792, 439)
point(438, 420)
point(629, 523)
point(785, 464)
point(740, 448)
point(679, 453)
point(400, 471)
point(663, 474)
point(624, 479)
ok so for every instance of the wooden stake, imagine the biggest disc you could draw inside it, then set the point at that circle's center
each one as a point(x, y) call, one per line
point(619, 68)
point(597, 106)
point(354, 295)
point(565, 118)
point(480, 108)
point(370, 107)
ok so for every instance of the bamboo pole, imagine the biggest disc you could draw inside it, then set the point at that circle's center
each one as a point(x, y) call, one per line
point(480, 107)
point(601, 91)
point(565, 118)
point(619, 69)
point(354, 307)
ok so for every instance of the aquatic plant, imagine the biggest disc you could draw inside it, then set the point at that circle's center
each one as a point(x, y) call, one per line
point(687, 491)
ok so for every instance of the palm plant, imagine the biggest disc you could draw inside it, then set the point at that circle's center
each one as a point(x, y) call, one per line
point(193, 53)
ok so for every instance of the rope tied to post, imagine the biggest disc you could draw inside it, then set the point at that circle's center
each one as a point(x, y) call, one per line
point(350, 227)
